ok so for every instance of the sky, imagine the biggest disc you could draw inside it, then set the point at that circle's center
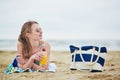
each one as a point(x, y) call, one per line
point(62, 19)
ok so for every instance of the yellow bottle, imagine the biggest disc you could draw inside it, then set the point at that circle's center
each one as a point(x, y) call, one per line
point(44, 60)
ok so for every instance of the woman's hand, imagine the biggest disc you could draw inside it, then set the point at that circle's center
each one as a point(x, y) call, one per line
point(37, 56)
point(20, 60)
point(45, 67)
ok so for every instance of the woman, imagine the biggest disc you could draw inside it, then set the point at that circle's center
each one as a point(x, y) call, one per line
point(30, 45)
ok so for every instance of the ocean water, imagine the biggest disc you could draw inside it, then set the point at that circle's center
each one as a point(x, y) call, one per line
point(111, 45)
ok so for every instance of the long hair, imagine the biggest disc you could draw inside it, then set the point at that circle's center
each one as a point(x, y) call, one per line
point(26, 46)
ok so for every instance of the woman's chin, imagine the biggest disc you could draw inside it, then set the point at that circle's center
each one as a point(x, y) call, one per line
point(40, 37)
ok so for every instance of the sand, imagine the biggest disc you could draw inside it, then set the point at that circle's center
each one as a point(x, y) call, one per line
point(62, 59)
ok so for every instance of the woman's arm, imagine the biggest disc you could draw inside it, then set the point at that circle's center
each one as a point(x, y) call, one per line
point(43, 67)
point(28, 63)
point(19, 57)
point(23, 63)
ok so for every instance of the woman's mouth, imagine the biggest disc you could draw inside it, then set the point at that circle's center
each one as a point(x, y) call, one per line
point(40, 36)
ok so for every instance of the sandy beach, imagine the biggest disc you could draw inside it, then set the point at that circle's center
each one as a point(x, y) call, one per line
point(62, 59)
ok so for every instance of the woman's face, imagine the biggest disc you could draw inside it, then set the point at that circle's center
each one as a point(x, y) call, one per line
point(36, 32)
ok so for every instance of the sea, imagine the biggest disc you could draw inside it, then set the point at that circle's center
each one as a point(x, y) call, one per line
point(63, 45)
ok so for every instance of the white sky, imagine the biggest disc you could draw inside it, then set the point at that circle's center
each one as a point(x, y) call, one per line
point(62, 19)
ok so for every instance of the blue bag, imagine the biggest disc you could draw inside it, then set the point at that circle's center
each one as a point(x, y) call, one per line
point(90, 58)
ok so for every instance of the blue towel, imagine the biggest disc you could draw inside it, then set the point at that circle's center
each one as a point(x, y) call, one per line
point(51, 68)
point(11, 69)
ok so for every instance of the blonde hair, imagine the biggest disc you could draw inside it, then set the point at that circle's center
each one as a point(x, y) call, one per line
point(26, 46)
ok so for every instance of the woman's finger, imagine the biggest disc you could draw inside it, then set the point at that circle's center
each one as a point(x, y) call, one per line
point(37, 57)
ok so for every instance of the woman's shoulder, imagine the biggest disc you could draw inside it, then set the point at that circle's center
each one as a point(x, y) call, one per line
point(19, 44)
point(19, 47)
point(46, 43)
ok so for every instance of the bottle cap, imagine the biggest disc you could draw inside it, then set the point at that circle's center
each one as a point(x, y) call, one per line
point(43, 49)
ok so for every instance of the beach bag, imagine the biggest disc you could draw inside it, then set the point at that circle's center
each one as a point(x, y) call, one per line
point(90, 58)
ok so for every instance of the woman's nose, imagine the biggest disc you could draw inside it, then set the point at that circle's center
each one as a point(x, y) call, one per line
point(41, 32)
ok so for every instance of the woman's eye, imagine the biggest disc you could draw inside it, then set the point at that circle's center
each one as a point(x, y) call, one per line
point(38, 30)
